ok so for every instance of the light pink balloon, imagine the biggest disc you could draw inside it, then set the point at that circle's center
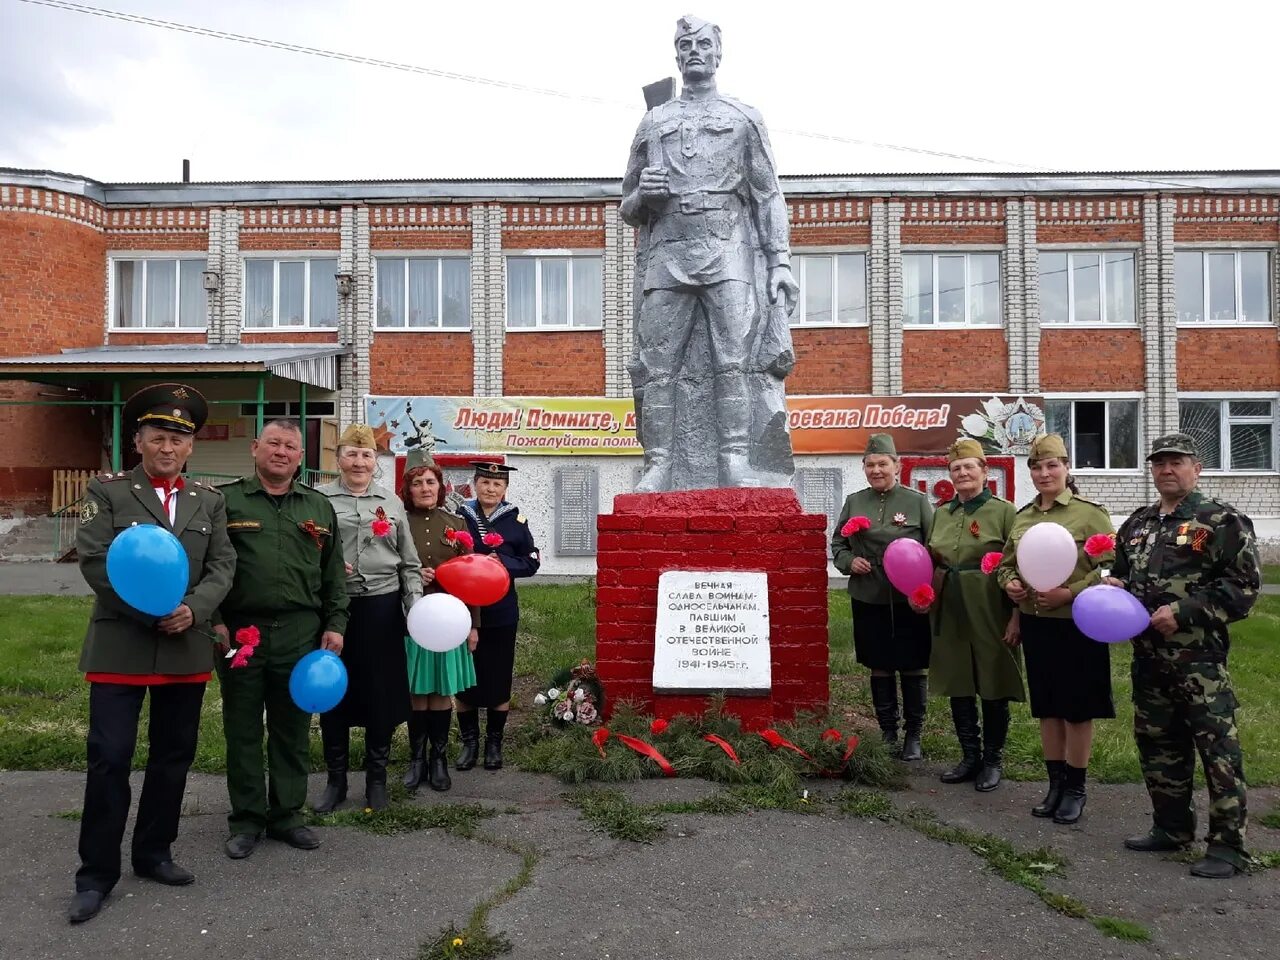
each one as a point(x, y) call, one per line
point(1046, 556)
point(907, 565)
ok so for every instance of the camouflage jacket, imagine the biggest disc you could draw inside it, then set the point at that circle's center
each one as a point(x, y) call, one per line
point(1201, 560)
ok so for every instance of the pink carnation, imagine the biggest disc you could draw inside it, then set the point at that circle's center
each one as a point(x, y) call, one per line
point(380, 527)
point(990, 561)
point(922, 596)
point(241, 657)
point(248, 636)
point(587, 713)
point(492, 539)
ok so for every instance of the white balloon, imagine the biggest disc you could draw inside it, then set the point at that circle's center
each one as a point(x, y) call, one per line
point(439, 622)
point(1047, 555)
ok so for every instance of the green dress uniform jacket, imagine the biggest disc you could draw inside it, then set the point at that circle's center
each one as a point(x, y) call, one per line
point(427, 529)
point(121, 639)
point(1082, 519)
point(385, 564)
point(898, 512)
point(971, 612)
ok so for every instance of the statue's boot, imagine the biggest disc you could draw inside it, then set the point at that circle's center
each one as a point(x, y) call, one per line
point(657, 434)
point(733, 416)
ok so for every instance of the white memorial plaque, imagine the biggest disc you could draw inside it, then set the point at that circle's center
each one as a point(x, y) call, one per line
point(713, 632)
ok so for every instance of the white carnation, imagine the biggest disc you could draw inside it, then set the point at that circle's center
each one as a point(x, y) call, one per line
point(540, 700)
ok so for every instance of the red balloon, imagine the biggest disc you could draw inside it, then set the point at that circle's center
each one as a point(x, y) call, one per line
point(474, 578)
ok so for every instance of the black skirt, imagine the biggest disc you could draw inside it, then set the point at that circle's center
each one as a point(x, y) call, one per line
point(377, 695)
point(1068, 675)
point(495, 659)
point(890, 636)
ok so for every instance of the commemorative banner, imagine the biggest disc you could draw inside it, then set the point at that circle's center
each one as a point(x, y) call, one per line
point(602, 426)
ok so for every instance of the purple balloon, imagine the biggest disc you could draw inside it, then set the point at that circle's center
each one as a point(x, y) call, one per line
point(908, 565)
point(1109, 614)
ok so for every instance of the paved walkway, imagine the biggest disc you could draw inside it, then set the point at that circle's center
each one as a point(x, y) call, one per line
point(761, 885)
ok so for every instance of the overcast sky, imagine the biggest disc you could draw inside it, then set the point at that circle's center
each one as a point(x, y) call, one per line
point(1070, 86)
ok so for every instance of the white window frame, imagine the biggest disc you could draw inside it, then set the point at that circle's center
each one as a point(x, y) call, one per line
point(144, 258)
point(1101, 251)
point(799, 263)
point(538, 256)
point(1207, 248)
point(1073, 399)
point(1224, 429)
point(406, 256)
point(966, 252)
point(277, 259)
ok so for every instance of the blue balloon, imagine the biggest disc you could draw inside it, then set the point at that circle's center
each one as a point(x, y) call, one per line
point(1109, 614)
point(148, 568)
point(318, 681)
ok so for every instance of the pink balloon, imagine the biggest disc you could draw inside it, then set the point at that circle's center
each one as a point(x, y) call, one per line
point(1047, 556)
point(908, 565)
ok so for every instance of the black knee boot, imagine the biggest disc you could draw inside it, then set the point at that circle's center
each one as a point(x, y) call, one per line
point(377, 751)
point(495, 721)
point(337, 748)
point(417, 748)
point(884, 699)
point(964, 714)
point(995, 730)
point(438, 732)
point(469, 735)
point(1073, 797)
point(915, 702)
point(1049, 805)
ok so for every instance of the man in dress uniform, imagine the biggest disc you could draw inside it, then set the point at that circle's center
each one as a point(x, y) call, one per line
point(128, 653)
point(291, 585)
point(1193, 562)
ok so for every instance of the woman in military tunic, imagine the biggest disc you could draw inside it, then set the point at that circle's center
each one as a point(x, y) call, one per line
point(383, 580)
point(888, 636)
point(433, 677)
point(1068, 674)
point(974, 627)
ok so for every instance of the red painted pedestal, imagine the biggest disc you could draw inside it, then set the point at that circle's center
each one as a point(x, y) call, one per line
point(731, 529)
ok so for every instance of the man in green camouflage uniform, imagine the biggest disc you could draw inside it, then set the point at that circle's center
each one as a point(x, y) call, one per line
point(1193, 562)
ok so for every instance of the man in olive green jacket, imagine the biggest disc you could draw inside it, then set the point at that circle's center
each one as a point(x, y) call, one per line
point(128, 653)
point(291, 585)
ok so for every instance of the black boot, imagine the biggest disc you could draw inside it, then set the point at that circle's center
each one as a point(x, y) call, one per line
point(469, 734)
point(1049, 805)
point(337, 748)
point(915, 702)
point(884, 699)
point(995, 730)
point(377, 751)
point(494, 724)
point(964, 714)
point(1073, 796)
point(438, 731)
point(417, 749)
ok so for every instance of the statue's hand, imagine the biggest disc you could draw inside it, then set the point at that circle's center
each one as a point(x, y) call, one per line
point(655, 183)
point(782, 283)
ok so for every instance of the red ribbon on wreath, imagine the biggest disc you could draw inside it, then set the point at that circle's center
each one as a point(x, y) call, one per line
point(723, 745)
point(775, 740)
point(647, 750)
point(598, 738)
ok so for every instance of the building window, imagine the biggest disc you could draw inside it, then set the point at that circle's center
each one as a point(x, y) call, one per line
point(1222, 286)
point(424, 292)
point(554, 292)
point(1231, 434)
point(290, 293)
point(831, 281)
point(951, 288)
point(159, 294)
point(1087, 287)
point(1099, 434)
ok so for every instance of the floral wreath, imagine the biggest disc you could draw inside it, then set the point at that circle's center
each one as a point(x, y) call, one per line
point(574, 696)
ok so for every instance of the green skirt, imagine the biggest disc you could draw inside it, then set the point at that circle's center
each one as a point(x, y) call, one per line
point(440, 673)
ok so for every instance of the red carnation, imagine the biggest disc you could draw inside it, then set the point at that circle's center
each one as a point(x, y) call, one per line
point(1099, 544)
point(658, 727)
point(922, 596)
point(832, 734)
point(855, 525)
point(380, 527)
point(460, 536)
point(248, 636)
point(990, 561)
point(492, 539)
point(241, 657)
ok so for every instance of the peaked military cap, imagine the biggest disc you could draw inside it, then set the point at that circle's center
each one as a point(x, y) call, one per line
point(1046, 446)
point(170, 406)
point(1173, 443)
point(962, 449)
point(880, 443)
point(358, 435)
point(487, 468)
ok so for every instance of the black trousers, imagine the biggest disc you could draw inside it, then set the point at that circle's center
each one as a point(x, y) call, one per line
point(113, 734)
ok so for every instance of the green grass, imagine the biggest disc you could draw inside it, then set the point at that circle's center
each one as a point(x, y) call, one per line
point(1122, 929)
point(1271, 573)
point(44, 699)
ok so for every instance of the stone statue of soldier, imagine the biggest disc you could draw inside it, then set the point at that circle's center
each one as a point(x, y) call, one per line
point(714, 286)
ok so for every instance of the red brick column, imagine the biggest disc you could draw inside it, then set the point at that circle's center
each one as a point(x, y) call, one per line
point(731, 529)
